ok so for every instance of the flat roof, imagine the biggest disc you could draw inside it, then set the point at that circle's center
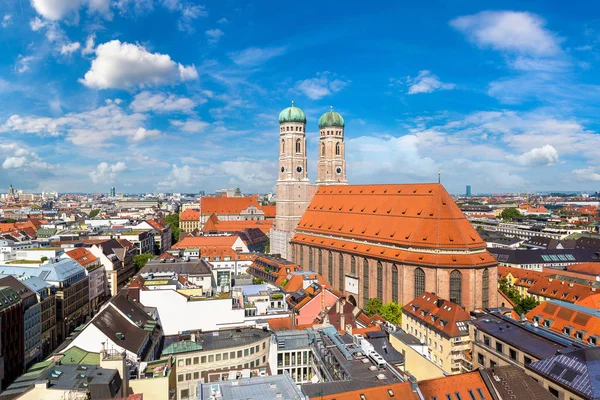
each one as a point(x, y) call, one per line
point(207, 341)
point(260, 387)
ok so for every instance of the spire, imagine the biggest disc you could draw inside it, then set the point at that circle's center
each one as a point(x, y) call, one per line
point(292, 103)
point(439, 176)
point(330, 108)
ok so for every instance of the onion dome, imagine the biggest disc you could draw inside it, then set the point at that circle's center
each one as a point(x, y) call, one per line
point(331, 119)
point(292, 114)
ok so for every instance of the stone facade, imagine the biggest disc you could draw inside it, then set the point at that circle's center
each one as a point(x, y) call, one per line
point(332, 163)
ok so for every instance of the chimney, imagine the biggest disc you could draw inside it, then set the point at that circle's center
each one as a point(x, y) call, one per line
point(342, 321)
point(337, 307)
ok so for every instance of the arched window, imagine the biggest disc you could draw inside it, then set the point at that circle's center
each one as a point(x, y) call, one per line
point(365, 282)
point(298, 146)
point(456, 287)
point(337, 149)
point(379, 280)
point(394, 283)
point(322, 149)
point(341, 273)
point(282, 146)
point(310, 258)
point(419, 282)
point(353, 265)
point(485, 289)
point(330, 267)
point(320, 264)
point(301, 256)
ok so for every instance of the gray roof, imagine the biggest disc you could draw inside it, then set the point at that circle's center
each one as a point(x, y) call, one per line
point(51, 272)
point(36, 284)
point(195, 267)
point(380, 342)
point(220, 339)
point(407, 338)
point(544, 256)
point(260, 387)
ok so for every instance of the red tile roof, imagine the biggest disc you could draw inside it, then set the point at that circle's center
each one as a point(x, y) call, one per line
point(560, 317)
point(82, 255)
point(442, 315)
point(270, 211)
point(401, 391)
point(194, 242)
point(226, 205)
point(213, 224)
point(560, 290)
point(189, 215)
point(591, 268)
point(448, 386)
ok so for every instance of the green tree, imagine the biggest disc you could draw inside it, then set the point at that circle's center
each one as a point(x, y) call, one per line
point(392, 312)
point(141, 259)
point(93, 213)
point(510, 213)
point(526, 304)
point(173, 221)
point(44, 258)
point(522, 304)
point(238, 192)
point(373, 306)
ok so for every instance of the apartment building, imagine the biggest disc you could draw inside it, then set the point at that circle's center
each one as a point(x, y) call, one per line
point(47, 300)
point(11, 335)
point(444, 327)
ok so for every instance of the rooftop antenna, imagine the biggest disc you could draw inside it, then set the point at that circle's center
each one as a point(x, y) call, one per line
point(439, 176)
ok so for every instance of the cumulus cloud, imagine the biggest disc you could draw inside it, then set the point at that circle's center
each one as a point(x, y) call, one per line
point(19, 157)
point(6, 20)
point(161, 103)
point(519, 32)
point(57, 9)
point(254, 56)
point(249, 173)
point(107, 173)
point(70, 48)
point(589, 174)
point(323, 85)
point(426, 82)
point(124, 66)
point(143, 134)
point(214, 35)
point(190, 125)
point(89, 45)
point(179, 177)
point(539, 156)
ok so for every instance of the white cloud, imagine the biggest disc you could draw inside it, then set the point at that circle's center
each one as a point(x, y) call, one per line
point(190, 125)
point(214, 35)
point(70, 48)
point(539, 156)
point(89, 45)
point(589, 174)
point(6, 20)
point(189, 13)
point(323, 85)
point(143, 134)
point(57, 9)
point(426, 82)
point(179, 177)
point(125, 66)
point(222, 21)
point(106, 173)
point(19, 157)
point(249, 174)
point(13, 162)
point(23, 63)
point(255, 56)
point(519, 32)
point(161, 103)
point(37, 23)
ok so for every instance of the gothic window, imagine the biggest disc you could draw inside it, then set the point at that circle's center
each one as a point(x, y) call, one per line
point(322, 149)
point(282, 146)
point(341, 272)
point(320, 265)
point(301, 256)
point(394, 283)
point(298, 146)
point(485, 288)
point(365, 281)
point(337, 149)
point(287, 128)
point(310, 258)
point(456, 287)
point(379, 280)
point(330, 267)
point(419, 282)
point(353, 265)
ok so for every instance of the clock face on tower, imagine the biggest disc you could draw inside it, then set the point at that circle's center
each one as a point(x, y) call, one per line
point(299, 169)
point(338, 170)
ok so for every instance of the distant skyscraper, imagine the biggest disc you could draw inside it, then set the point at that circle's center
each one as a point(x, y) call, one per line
point(113, 191)
point(468, 190)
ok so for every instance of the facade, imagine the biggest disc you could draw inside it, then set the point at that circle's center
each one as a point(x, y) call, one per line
point(444, 327)
point(47, 300)
point(213, 356)
point(12, 346)
point(395, 242)
point(189, 220)
point(331, 166)
point(98, 288)
point(117, 260)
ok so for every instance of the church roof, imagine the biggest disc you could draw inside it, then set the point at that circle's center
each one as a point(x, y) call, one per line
point(227, 205)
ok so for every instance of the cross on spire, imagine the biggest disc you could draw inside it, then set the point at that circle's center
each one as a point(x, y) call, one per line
point(292, 103)
point(330, 108)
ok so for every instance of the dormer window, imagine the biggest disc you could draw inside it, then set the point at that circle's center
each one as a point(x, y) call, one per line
point(579, 335)
point(593, 340)
point(567, 330)
point(547, 323)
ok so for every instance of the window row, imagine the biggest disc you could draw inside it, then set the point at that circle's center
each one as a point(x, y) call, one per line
point(218, 357)
point(291, 129)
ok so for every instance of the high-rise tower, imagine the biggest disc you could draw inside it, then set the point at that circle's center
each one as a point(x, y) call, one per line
point(332, 165)
point(293, 187)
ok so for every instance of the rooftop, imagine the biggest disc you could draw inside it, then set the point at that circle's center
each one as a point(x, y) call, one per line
point(260, 387)
point(469, 385)
point(207, 341)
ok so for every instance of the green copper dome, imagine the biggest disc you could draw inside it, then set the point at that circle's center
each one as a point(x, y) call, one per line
point(331, 119)
point(292, 114)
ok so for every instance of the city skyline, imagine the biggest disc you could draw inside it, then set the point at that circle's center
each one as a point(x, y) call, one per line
point(173, 96)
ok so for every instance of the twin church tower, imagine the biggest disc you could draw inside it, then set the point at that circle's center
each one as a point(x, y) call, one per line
point(294, 190)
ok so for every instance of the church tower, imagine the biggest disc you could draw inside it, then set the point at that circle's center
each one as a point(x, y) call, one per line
point(293, 187)
point(331, 165)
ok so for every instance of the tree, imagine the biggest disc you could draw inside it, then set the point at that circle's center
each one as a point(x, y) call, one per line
point(173, 221)
point(522, 304)
point(93, 213)
point(373, 306)
point(141, 259)
point(238, 192)
point(392, 312)
point(510, 213)
point(526, 304)
point(44, 258)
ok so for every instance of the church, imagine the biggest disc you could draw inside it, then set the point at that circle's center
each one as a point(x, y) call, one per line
point(389, 241)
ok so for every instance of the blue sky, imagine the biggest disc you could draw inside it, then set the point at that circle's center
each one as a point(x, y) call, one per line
point(174, 95)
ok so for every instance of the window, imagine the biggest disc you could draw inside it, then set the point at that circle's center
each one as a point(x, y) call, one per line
point(188, 377)
point(310, 258)
point(246, 352)
point(456, 287)
point(526, 360)
point(211, 358)
point(225, 356)
point(196, 360)
point(218, 357)
point(239, 354)
point(298, 146)
point(499, 347)
point(481, 359)
point(365, 281)
point(330, 267)
point(282, 146)
point(337, 149)
point(320, 263)
point(493, 364)
point(185, 393)
point(301, 256)
point(553, 391)
point(485, 288)
point(353, 265)
point(322, 149)
point(232, 355)
point(513, 354)
point(486, 340)
point(264, 345)
point(394, 283)
point(419, 277)
point(251, 350)
point(341, 272)
point(188, 361)
point(203, 359)
point(196, 375)
point(180, 363)
point(180, 378)
point(379, 280)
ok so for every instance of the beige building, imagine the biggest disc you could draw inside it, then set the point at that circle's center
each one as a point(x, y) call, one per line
point(443, 327)
point(416, 357)
point(213, 356)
